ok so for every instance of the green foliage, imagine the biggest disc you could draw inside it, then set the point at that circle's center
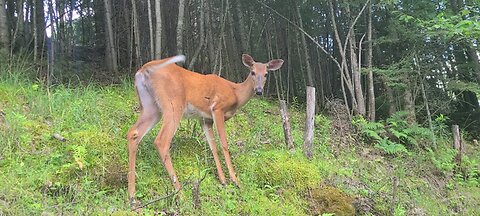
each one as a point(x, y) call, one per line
point(392, 135)
point(42, 175)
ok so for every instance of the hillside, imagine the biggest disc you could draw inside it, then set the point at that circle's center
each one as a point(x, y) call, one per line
point(86, 174)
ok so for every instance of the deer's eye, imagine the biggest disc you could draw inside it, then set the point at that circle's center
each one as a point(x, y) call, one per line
point(253, 73)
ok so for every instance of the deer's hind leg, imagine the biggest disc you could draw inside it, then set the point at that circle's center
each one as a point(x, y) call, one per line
point(149, 116)
point(172, 111)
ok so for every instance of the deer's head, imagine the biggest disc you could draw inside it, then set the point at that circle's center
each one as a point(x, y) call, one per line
point(259, 71)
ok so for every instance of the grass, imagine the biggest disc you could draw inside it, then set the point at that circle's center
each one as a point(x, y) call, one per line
point(87, 173)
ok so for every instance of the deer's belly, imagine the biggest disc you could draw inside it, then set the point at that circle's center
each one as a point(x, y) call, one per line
point(193, 112)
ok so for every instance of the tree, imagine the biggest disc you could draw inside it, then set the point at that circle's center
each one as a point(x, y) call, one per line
point(111, 53)
point(158, 29)
point(3, 28)
point(180, 20)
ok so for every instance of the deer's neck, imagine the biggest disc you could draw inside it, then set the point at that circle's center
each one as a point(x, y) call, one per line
point(244, 91)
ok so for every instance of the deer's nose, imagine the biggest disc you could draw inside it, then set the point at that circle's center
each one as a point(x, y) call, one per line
point(259, 91)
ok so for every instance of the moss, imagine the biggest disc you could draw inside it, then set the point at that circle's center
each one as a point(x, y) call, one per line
point(327, 199)
point(278, 168)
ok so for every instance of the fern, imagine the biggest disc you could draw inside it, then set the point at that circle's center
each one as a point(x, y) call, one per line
point(390, 147)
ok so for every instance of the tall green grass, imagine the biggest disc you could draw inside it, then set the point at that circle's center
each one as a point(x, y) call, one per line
point(86, 174)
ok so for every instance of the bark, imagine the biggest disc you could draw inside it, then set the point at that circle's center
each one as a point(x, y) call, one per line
point(158, 29)
point(210, 41)
point(355, 64)
point(180, 21)
point(19, 34)
point(110, 52)
point(427, 108)
point(409, 106)
point(136, 34)
point(202, 35)
point(309, 123)
point(286, 125)
point(344, 73)
point(128, 34)
point(39, 30)
point(243, 29)
point(371, 87)
point(457, 144)
point(3, 28)
point(150, 28)
point(392, 109)
point(305, 49)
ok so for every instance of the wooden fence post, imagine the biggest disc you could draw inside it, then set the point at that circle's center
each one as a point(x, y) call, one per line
point(309, 123)
point(457, 144)
point(286, 125)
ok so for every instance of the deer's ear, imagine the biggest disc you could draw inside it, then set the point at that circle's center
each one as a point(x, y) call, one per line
point(274, 64)
point(247, 60)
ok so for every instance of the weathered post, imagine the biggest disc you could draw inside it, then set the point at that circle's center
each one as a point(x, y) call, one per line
point(309, 123)
point(286, 125)
point(457, 144)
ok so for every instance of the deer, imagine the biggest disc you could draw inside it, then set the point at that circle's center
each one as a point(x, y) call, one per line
point(168, 91)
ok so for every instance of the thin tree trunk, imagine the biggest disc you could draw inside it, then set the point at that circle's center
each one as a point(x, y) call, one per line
point(409, 106)
point(136, 34)
point(128, 34)
point(3, 28)
point(150, 25)
point(39, 29)
point(371, 89)
point(202, 35)
point(243, 30)
point(158, 29)
point(110, 52)
point(355, 68)
point(180, 21)
point(210, 41)
point(344, 73)
point(51, 50)
point(305, 48)
point(18, 35)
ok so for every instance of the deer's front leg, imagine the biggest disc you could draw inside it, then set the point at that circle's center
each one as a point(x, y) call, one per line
point(207, 128)
point(219, 119)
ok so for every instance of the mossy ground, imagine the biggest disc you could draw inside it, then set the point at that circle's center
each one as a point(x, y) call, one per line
point(86, 174)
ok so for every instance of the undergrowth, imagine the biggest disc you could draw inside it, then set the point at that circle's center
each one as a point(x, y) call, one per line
point(86, 173)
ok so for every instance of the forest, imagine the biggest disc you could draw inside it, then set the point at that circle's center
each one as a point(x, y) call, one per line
point(396, 107)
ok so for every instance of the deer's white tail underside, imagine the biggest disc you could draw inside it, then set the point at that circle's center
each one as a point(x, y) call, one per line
point(175, 59)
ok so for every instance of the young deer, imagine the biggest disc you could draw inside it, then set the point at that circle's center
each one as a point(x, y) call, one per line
point(163, 87)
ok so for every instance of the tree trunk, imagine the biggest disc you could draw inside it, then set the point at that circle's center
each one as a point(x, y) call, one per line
point(180, 19)
point(355, 68)
point(150, 29)
point(305, 48)
point(371, 88)
point(39, 30)
point(409, 106)
point(158, 29)
point(202, 35)
point(111, 53)
point(243, 30)
point(3, 29)
point(136, 35)
point(343, 69)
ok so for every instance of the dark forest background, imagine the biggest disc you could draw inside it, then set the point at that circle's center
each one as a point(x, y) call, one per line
point(380, 56)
